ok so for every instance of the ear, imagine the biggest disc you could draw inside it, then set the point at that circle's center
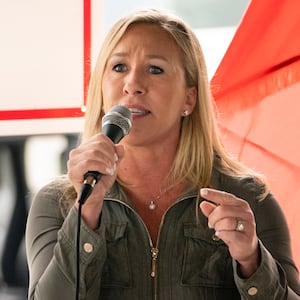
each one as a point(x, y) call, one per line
point(190, 100)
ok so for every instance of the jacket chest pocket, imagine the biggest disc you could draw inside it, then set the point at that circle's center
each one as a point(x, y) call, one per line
point(207, 262)
point(116, 271)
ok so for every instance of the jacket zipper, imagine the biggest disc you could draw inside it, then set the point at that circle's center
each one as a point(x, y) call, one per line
point(154, 250)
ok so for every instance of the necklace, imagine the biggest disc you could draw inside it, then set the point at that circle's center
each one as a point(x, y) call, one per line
point(154, 202)
point(152, 205)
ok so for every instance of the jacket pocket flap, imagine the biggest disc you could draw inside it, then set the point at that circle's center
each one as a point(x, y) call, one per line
point(196, 231)
point(115, 232)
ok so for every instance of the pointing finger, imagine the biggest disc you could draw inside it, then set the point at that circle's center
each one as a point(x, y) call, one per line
point(220, 197)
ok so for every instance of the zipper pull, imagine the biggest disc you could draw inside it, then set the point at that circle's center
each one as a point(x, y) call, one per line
point(154, 252)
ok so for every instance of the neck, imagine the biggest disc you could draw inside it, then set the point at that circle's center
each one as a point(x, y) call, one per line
point(142, 165)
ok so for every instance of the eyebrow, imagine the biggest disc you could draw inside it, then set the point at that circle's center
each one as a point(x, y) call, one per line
point(152, 56)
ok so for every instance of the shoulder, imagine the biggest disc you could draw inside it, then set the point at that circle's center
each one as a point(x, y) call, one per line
point(55, 194)
point(252, 190)
point(247, 187)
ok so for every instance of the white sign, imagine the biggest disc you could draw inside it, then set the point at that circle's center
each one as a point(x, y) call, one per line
point(45, 63)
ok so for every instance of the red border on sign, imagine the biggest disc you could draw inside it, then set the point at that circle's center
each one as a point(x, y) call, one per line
point(86, 46)
point(41, 113)
point(70, 112)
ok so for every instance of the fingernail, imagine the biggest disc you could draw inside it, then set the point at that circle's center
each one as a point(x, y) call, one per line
point(116, 157)
point(209, 225)
point(203, 192)
point(112, 170)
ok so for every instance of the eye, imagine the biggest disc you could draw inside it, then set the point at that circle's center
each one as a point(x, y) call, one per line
point(156, 70)
point(119, 67)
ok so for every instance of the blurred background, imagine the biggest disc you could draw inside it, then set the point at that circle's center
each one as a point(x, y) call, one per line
point(44, 56)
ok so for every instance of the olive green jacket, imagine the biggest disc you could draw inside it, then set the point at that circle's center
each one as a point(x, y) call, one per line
point(118, 260)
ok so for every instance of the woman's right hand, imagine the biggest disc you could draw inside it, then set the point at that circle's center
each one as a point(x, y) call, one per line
point(100, 154)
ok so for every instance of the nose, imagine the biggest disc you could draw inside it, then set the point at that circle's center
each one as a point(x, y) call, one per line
point(134, 83)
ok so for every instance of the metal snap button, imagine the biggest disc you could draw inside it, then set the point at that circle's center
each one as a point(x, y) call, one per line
point(252, 291)
point(88, 248)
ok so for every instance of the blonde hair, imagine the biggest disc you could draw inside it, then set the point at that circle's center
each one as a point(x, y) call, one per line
point(199, 141)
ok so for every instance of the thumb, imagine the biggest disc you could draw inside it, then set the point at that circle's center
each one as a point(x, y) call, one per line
point(119, 150)
point(207, 207)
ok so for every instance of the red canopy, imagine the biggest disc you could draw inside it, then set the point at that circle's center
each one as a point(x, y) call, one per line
point(256, 88)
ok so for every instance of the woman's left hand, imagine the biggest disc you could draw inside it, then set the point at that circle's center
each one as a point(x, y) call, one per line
point(234, 223)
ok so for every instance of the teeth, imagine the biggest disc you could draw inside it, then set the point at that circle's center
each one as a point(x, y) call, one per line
point(134, 110)
point(138, 111)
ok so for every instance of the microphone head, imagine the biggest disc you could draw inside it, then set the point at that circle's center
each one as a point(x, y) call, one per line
point(117, 123)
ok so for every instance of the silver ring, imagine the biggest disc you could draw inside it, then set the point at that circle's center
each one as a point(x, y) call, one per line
point(239, 226)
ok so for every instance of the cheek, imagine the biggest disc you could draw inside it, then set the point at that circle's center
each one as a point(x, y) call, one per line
point(109, 89)
point(177, 98)
point(106, 85)
point(109, 96)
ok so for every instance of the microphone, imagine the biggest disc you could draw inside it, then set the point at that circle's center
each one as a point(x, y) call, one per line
point(115, 125)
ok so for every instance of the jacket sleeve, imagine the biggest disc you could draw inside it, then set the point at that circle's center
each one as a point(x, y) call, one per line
point(51, 251)
point(277, 274)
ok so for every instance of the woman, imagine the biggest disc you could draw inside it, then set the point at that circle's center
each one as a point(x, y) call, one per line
point(147, 231)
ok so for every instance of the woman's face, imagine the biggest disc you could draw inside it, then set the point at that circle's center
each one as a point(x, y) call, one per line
point(145, 73)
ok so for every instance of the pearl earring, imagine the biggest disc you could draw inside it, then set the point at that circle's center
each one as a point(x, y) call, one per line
point(185, 113)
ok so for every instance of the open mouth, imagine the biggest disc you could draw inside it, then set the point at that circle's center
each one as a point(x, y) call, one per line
point(138, 112)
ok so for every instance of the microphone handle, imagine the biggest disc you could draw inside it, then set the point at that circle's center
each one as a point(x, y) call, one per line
point(115, 133)
point(90, 179)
